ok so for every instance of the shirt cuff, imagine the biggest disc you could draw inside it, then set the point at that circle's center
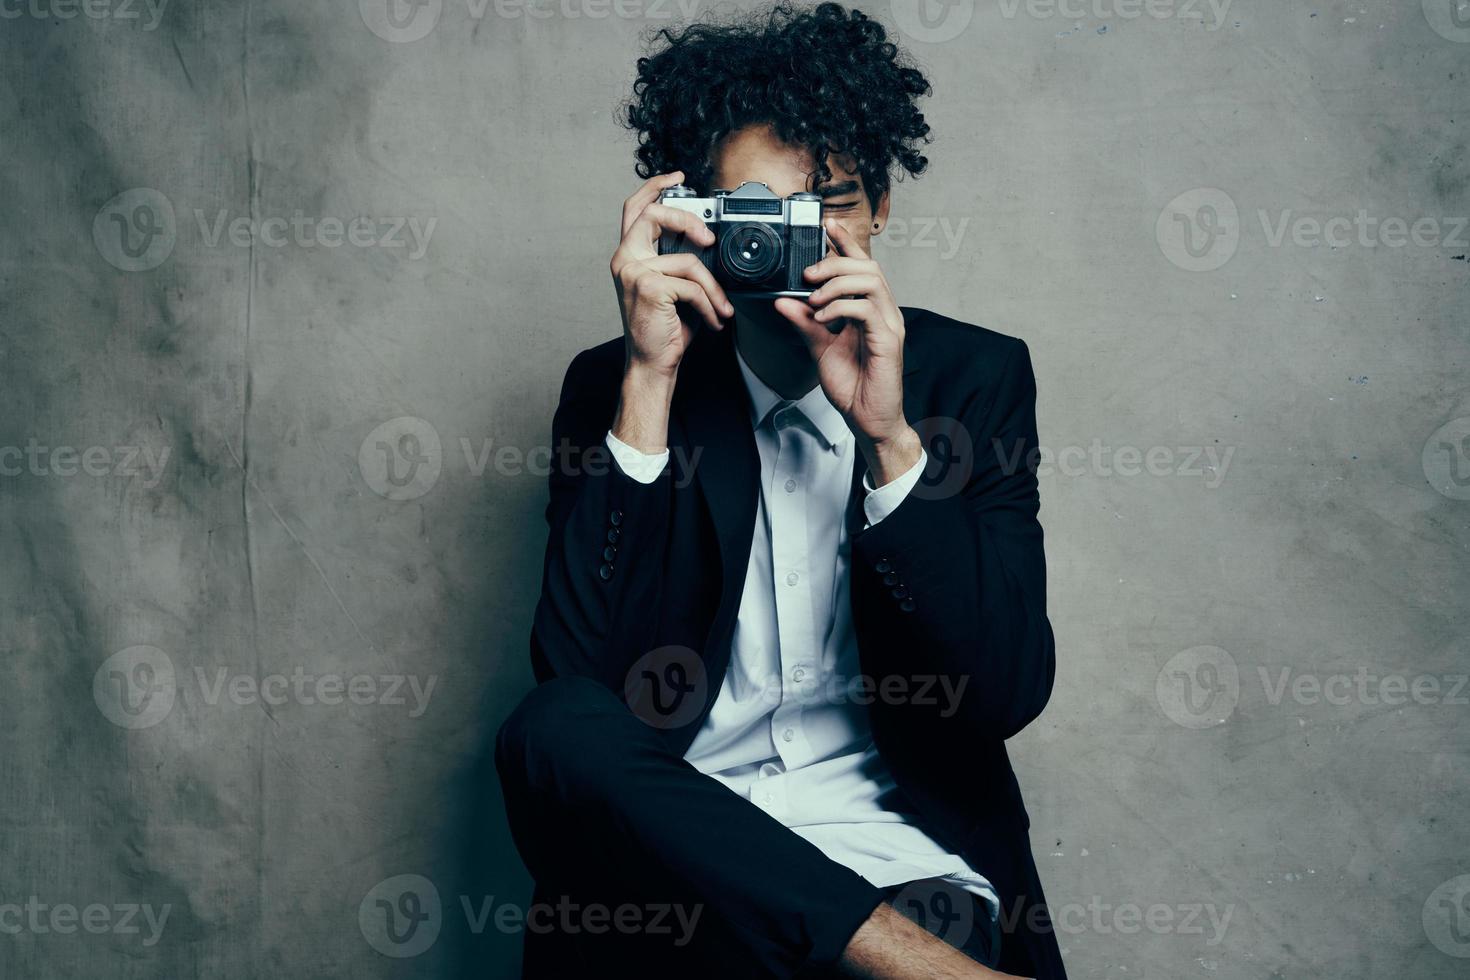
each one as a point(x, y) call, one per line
point(883, 501)
point(638, 465)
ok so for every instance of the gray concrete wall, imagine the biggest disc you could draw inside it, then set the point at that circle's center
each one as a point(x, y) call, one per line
point(1255, 494)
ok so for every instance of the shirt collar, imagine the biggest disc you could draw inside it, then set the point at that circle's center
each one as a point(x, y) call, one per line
point(823, 415)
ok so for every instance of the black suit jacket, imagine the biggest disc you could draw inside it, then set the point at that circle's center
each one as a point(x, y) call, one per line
point(952, 583)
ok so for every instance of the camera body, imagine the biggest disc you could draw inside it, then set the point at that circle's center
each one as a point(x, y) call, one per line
point(763, 243)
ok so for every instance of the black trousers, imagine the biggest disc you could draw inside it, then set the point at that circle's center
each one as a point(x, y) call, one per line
point(646, 866)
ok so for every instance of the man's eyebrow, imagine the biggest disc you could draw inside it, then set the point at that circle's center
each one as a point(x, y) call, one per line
point(837, 190)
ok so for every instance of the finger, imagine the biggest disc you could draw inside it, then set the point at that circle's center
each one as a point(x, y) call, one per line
point(658, 218)
point(646, 195)
point(844, 240)
point(686, 265)
point(867, 284)
point(692, 294)
point(863, 311)
point(802, 317)
point(838, 265)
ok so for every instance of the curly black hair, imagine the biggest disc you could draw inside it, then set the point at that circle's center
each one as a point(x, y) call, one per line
point(825, 78)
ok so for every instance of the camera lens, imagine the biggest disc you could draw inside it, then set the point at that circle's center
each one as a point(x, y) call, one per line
point(750, 253)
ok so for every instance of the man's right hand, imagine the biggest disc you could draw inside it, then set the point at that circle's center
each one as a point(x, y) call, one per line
point(651, 289)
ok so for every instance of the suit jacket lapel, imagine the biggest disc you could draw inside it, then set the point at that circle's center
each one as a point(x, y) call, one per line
point(712, 405)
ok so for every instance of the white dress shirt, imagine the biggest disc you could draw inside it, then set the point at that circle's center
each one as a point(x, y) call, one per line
point(786, 731)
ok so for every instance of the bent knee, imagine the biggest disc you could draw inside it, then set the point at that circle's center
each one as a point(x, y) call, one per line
point(561, 724)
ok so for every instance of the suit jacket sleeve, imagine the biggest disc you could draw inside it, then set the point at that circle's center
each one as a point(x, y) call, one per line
point(608, 532)
point(955, 585)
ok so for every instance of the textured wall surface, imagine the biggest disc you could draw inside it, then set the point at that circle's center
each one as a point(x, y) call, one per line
point(286, 291)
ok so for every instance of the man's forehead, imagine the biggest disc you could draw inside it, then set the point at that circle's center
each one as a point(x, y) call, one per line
point(785, 181)
point(785, 169)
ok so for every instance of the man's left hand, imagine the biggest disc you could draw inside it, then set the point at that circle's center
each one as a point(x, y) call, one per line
point(854, 330)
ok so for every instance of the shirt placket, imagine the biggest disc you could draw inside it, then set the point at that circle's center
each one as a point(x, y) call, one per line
point(791, 566)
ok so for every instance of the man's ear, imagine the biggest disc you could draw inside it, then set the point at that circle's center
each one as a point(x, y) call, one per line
point(880, 214)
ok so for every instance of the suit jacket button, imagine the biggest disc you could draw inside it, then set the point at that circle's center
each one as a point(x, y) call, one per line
point(605, 572)
point(890, 578)
point(613, 534)
point(609, 553)
point(901, 592)
point(615, 518)
point(907, 605)
point(882, 566)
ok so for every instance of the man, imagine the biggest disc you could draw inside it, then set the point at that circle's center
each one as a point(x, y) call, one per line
point(781, 645)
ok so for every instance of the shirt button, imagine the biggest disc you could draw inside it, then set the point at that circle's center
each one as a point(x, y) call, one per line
point(788, 734)
point(792, 578)
point(798, 673)
point(767, 799)
point(790, 486)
